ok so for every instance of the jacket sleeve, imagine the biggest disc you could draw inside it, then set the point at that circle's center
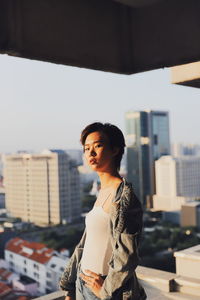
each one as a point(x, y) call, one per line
point(125, 249)
point(68, 278)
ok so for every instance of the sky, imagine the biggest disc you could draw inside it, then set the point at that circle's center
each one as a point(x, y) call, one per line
point(45, 105)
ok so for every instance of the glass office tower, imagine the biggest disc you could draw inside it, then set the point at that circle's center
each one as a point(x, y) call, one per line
point(159, 122)
point(147, 139)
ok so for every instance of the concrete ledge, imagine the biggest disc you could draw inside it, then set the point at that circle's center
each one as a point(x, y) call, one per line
point(188, 285)
point(158, 284)
point(158, 278)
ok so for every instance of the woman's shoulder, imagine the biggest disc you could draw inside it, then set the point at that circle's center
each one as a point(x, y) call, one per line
point(128, 196)
point(126, 188)
point(125, 194)
point(129, 208)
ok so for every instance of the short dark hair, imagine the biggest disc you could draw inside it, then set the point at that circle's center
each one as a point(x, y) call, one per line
point(114, 134)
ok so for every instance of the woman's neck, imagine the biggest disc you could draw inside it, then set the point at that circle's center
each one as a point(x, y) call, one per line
point(109, 179)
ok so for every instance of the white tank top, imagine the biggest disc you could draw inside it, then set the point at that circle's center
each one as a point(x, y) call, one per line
point(97, 248)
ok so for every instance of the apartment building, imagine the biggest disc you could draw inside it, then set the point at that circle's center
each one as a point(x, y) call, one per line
point(42, 188)
point(36, 261)
point(177, 181)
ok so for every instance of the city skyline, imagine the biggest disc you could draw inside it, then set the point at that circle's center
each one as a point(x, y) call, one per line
point(46, 105)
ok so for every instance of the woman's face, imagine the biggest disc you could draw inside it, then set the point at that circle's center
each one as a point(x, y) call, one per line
point(98, 153)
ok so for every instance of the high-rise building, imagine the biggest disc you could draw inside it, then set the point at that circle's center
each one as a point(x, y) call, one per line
point(177, 181)
point(179, 149)
point(42, 188)
point(76, 154)
point(190, 214)
point(2, 197)
point(147, 139)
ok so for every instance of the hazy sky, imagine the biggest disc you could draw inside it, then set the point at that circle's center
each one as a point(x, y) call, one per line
point(45, 105)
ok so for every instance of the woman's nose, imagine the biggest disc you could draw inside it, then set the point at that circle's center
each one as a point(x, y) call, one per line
point(92, 153)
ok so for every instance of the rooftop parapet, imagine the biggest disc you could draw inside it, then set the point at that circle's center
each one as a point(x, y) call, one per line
point(158, 284)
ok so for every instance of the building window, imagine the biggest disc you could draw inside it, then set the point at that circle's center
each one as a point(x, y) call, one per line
point(48, 275)
point(36, 275)
point(155, 139)
point(11, 256)
point(25, 270)
point(25, 262)
point(35, 266)
point(12, 264)
point(48, 283)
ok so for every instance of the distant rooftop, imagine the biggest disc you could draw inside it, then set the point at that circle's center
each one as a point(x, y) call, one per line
point(4, 289)
point(59, 151)
point(4, 274)
point(32, 250)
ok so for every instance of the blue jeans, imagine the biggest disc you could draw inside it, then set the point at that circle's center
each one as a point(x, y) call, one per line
point(82, 291)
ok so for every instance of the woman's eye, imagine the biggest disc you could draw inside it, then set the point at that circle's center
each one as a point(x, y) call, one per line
point(99, 145)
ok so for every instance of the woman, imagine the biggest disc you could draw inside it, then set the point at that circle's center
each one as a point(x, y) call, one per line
point(103, 263)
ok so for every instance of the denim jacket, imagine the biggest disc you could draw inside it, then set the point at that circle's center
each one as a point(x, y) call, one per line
point(125, 227)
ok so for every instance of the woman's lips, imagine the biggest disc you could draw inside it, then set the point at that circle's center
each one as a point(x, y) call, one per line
point(93, 161)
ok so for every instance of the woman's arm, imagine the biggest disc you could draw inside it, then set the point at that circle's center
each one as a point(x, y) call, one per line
point(125, 260)
point(68, 278)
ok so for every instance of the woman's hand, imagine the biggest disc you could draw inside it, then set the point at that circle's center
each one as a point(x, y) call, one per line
point(93, 281)
point(69, 298)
